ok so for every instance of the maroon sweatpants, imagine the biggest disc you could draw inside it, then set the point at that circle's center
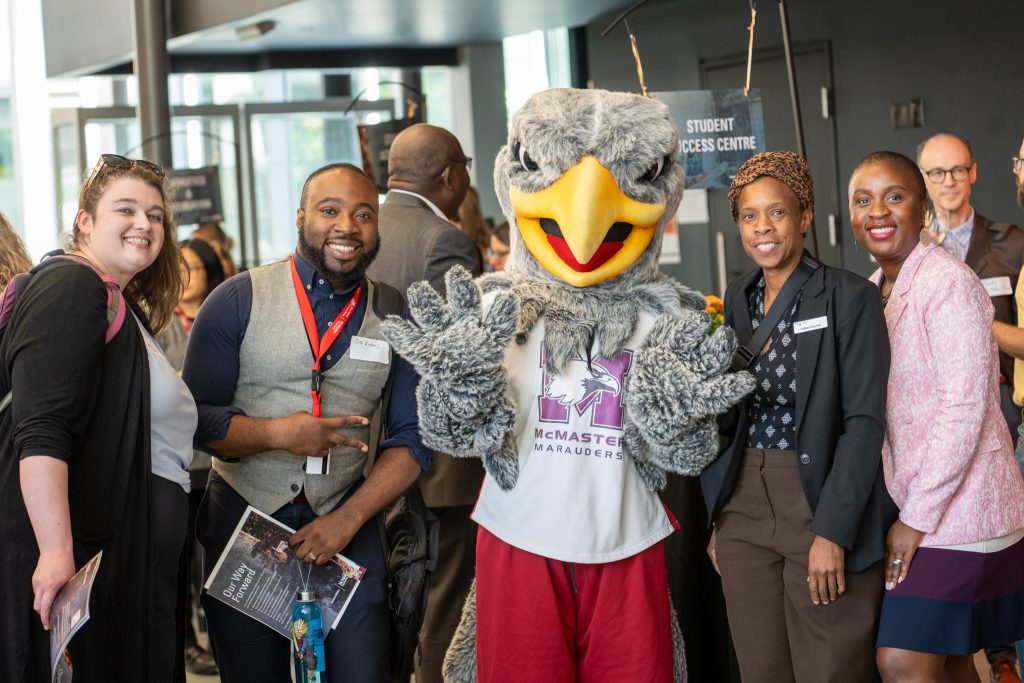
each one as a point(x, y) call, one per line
point(540, 620)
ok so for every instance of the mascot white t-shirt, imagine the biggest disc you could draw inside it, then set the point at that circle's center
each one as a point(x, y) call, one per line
point(578, 498)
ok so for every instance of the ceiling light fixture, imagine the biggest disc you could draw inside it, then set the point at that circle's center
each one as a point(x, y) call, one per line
point(257, 30)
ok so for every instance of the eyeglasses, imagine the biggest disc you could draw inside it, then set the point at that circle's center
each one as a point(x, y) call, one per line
point(118, 161)
point(938, 175)
point(468, 161)
point(1017, 163)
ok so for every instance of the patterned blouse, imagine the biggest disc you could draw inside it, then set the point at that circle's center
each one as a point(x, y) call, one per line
point(773, 403)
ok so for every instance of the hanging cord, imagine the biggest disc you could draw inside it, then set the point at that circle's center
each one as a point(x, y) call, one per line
point(636, 58)
point(411, 105)
point(632, 43)
point(750, 47)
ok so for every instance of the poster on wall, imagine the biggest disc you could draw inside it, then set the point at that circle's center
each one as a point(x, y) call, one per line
point(195, 195)
point(718, 131)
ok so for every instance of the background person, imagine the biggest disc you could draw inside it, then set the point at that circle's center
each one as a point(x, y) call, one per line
point(204, 273)
point(428, 178)
point(498, 251)
point(95, 445)
point(13, 257)
point(471, 221)
point(214, 235)
point(955, 559)
point(797, 498)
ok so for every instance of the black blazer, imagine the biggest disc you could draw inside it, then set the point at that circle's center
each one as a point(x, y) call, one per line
point(842, 375)
point(997, 250)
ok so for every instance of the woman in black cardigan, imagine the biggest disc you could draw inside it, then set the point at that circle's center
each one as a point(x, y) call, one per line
point(77, 470)
point(797, 497)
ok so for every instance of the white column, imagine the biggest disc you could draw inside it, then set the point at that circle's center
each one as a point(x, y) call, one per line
point(33, 136)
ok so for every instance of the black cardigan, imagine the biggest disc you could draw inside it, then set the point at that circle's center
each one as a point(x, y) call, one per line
point(842, 381)
point(87, 404)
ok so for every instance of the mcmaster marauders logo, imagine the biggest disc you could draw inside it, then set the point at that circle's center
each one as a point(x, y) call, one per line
point(596, 387)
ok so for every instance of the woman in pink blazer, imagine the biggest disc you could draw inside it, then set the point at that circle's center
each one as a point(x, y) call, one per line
point(955, 559)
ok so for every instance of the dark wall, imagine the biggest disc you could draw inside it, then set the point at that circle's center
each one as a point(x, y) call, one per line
point(962, 58)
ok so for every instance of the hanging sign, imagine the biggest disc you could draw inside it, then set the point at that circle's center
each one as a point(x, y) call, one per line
point(718, 131)
point(195, 195)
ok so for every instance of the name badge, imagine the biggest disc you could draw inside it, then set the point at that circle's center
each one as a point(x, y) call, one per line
point(801, 326)
point(998, 286)
point(373, 350)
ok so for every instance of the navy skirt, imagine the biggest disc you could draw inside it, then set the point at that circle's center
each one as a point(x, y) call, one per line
point(957, 601)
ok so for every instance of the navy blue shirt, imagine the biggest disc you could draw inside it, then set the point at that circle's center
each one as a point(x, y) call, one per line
point(211, 360)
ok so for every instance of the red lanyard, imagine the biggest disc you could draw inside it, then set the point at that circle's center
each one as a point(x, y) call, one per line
point(316, 344)
point(186, 324)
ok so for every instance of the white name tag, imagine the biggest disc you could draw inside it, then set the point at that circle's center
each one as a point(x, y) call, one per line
point(808, 325)
point(998, 286)
point(318, 465)
point(373, 350)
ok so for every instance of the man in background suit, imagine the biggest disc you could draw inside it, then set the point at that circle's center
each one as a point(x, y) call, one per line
point(428, 176)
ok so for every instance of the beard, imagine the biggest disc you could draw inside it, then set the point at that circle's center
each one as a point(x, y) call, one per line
point(1020, 192)
point(340, 279)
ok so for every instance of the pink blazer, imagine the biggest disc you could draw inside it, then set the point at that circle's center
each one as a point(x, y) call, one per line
point(947, 455)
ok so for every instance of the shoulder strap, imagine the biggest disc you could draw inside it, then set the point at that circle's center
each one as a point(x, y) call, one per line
point(116, 307)
point(746, 353)
point(386, 299)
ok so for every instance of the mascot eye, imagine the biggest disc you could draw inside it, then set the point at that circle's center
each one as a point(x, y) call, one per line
point(656, 170)
point(524, 158)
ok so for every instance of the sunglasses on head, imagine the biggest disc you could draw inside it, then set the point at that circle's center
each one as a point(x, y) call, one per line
point(118, 161)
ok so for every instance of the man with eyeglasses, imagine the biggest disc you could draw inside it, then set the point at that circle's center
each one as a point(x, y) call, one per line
point(995, 252)
point(428, 177)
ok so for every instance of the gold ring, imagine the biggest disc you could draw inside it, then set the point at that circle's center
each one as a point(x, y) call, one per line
point(311, 555)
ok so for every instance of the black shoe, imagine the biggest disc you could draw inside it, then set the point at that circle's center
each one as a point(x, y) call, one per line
point(200, 661)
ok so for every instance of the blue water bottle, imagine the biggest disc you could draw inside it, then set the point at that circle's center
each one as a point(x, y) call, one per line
point(308, 640)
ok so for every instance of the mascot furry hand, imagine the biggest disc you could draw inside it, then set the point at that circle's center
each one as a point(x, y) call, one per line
point(582, 374)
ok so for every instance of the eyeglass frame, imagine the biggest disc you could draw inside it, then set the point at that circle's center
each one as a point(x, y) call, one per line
point(1018, 161)
point(118, 161)
point(965, 170)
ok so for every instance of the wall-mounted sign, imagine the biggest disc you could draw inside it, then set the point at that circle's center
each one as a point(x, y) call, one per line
point(195, 195)
point(375, 143)
point(718, 131)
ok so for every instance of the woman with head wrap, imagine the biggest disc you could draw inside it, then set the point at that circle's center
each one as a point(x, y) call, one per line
point(955, 564)
point(797, 498)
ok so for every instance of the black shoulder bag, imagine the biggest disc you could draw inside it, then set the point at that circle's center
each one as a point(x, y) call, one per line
point(745, 353)
point(408, 536)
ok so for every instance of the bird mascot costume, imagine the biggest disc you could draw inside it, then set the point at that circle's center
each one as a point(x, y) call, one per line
point(580, 376)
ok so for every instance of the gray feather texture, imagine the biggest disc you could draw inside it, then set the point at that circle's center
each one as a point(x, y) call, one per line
point(675, 390)
point(627, 133)
point(458, 352)
point(460, 660)
point(676, 385)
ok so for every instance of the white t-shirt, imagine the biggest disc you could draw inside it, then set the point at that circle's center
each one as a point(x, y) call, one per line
point(172, 414)
point(578, 498)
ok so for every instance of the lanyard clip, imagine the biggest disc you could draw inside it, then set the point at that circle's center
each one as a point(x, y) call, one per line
point(314, 381)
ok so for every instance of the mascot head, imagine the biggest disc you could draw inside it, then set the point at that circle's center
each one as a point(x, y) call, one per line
point(588, 180)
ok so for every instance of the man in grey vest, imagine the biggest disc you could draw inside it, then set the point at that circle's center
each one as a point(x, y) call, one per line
point(427, 181)
point(261, 345)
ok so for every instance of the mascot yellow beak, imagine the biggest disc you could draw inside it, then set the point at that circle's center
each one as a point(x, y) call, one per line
point(583, 229)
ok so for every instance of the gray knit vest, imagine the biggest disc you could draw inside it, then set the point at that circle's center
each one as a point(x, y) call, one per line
point(273, 381)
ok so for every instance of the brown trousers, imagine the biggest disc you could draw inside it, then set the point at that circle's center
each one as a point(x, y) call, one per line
point(763, 536)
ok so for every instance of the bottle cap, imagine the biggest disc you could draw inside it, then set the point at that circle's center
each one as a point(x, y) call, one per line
point(306, 596)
